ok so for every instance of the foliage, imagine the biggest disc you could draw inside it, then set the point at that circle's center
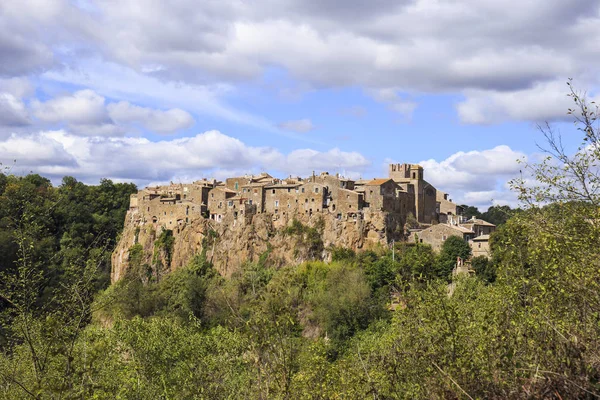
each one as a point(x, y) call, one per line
point(484, 269)
point(452, 248)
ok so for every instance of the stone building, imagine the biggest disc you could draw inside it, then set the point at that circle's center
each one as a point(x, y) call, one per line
point(410, 177)
point(436, 235)
point(447, 210)
point(238, 199)
point(479, 226)
point(480, 246)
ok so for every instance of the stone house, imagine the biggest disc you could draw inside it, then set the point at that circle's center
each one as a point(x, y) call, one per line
point(446, 208)
point(479, 226)
point(480, 246)
point(219, 199)
point(436, 235)
point(379, 194)
point(410, 178)
point(282, 198)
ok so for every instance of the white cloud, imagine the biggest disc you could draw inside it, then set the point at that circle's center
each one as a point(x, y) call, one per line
point(299, 126)
point(82, 107)
point(155, 120)
point(140, 160)
point(18, 86)
point(12, 111)
point(476, 177)
point(35, 151)
point(85, 113)
point(420, 46)
point(304, 161)
point(543, 102)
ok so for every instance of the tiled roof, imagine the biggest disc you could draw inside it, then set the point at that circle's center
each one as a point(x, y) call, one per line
point(377, 182)
point(482, 238)
point(477, 221)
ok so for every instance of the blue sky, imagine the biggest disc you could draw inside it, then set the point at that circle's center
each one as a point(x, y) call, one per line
point(151, 91)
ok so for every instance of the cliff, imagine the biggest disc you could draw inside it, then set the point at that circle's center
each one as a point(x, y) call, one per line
point(230, 243)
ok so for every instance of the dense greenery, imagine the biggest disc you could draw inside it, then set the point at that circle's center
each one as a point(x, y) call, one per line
point(497, 214)
point(374, 324)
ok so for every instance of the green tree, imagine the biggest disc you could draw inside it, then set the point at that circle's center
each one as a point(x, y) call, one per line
point(452, 248)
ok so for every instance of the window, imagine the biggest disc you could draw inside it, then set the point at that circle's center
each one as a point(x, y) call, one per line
point(212, 195)
point(244, 190)
point(296, 190)
point(302, 190)
point(250, 202)
point(236, 186)
point(289, 190)
point(313, 200)
point(414, 176)
point(230, 203)
point(306, 200)
point(276, 203)
point(148, 208)
point(220, 204)
point(165, 213)
point(444, 237)
point(349, 205)
point(273, 191)
point(479, 245)
point(316, 190)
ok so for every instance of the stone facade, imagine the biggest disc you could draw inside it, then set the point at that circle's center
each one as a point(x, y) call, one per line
point(247, 213)
point(237, 199)
point(475, 231)
point(436, 235)
point(480, 246)
point(410, 177)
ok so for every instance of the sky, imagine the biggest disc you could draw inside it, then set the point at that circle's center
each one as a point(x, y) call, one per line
point(152, 91)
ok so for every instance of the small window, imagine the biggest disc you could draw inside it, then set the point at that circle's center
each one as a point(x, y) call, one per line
point(289, 190)
point(313, 200)
point(250, 202)
point(276, 203)
point(302, 190)
point(316, 190)
point(212, 195)
point(148, 208)
point(236, 186)
point(273, 191)
point(230, 203)
point(306, 200)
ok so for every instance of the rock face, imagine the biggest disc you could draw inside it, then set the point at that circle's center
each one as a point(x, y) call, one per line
point(229, 244)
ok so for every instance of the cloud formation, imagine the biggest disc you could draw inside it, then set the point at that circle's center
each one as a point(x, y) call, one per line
point(418, 46)
point(155, 120)
point(86, 113)
point(476, 177)
point(58, 153)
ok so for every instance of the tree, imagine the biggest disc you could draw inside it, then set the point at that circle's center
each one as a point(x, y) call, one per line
point(452, 248)
point(470, 211)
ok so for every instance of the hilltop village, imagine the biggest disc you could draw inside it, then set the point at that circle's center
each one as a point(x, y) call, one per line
point(426, 214)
